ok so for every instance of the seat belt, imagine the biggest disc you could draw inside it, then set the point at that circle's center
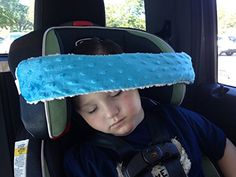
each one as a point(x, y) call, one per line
point(161, 152)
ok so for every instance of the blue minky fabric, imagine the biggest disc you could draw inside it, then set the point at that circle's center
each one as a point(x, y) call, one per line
point(57, 76)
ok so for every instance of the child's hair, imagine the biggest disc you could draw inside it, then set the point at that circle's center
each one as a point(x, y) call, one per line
point(95, 46)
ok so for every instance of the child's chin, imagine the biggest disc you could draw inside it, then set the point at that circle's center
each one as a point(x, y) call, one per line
point(124, 133)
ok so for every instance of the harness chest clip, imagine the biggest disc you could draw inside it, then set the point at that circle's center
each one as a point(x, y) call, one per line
point(152, 155)
point(160, 153)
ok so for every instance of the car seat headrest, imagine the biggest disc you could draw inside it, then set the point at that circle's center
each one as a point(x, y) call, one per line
point(79, 23)
point(61, 40)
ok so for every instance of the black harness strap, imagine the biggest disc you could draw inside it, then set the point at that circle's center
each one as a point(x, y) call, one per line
point(154, 113)
point(120, 147)
point(148, 158)
point(160, 135)
point(161, 152)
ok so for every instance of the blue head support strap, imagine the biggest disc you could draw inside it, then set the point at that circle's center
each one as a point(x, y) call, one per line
point(59, 76)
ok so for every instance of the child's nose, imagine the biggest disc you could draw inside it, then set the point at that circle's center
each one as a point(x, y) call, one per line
point(111, 110)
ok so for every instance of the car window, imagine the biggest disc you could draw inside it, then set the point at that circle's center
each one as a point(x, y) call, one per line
point(125, 13)
point(226, 41)
point(16, 19)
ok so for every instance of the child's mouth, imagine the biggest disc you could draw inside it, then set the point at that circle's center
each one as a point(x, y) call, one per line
point(118, 123)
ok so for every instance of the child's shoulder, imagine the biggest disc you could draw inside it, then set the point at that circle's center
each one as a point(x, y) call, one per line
point(181, 113)
point(84, 151)
point(78, 151)
point(178, 116)
point(170, 110)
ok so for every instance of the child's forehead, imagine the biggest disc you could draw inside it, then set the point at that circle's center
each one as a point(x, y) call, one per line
point(90, 98)
point(95, 95)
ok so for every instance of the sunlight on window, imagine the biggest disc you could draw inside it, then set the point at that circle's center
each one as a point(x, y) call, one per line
point(125, 13)
point(226, 10)
point(16, 19)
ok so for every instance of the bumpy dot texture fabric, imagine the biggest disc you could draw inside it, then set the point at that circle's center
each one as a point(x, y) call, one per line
point(58, 76)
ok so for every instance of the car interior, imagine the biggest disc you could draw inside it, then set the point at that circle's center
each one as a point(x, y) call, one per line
point(58, 24)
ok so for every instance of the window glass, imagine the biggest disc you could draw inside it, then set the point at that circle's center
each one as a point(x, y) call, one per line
point(16, 19)
point(226, 10)
point(125, 13)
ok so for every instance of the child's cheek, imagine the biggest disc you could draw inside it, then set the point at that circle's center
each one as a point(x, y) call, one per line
point(131, 102)
point(97, 122)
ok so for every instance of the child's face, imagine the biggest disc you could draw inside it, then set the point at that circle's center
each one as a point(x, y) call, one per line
point(116, 113)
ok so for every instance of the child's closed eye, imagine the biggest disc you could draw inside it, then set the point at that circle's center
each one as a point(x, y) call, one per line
point(89, 110)
point(92, 111)
point(116, 93)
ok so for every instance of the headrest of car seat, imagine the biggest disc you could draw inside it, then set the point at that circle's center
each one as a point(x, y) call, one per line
point(47, 12)
point(79, 23)
point(61, 40)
